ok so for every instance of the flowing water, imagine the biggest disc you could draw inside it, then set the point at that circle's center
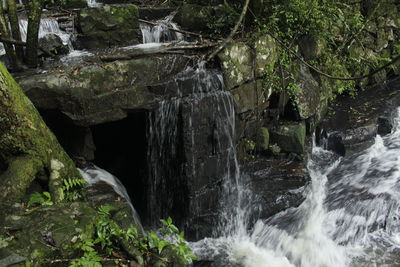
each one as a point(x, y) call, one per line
point(199, 103)
point(161, 31)
point(95, 174)
point(47, 26)
point(350, 216)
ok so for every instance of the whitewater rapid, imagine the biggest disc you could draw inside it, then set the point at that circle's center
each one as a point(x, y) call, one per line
point(350, 216)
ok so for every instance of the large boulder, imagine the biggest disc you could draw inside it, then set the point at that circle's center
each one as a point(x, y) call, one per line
point(60, 225)
point(109, 26)
point(290, 136)
point(307, 94)
point(277, 184)
point(248, 97)
point(102, 92)
point(53, 43)
point(237, 64)
point(194, 17)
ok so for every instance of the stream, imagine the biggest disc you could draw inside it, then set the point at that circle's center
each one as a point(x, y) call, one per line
point(350, 216)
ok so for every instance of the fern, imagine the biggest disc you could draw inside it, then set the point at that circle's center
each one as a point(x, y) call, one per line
point(72, 188)
point(43, 199)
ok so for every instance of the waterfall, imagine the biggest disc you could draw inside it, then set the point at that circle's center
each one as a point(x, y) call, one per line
point(350, 216)
point(201, 107)
point(47, 26)
point(160, 32)
point(93, 3)
point(95, 174)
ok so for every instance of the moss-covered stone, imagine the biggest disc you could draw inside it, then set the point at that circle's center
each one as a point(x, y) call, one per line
point(50, 232)
point(73, 4)
point(26, 144)
point(262, 142)
point(307, 93)
point(249, 97)
point(109, 25)
point(237, 64)
point(103, 92)
point(290, 136)
point(266, 54)
point(195, 17)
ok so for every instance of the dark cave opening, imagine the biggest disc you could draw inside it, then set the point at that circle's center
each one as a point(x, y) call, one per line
point(118, 147)
point(121, 149)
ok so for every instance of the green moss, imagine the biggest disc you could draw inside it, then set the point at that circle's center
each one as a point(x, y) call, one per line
point(24, 133)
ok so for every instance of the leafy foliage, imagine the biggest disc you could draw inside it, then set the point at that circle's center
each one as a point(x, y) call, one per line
point(43, 199)
point(72, 188)
point(167, 244)
point(220, 25)
point(333, 25)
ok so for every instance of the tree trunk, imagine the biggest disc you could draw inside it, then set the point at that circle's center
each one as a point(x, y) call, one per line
point(32, 38)
point(10, 52)
point(14, 23)
point(27, 147)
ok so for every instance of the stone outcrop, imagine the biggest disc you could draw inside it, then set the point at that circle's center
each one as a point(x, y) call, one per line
point(102, 92)
point(108, 26)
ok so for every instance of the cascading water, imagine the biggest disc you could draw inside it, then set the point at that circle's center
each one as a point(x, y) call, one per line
point(350, 216)
point(202, 107)
point(93, 3)
point(47, 26)
point(161, 32)
point(94, 174)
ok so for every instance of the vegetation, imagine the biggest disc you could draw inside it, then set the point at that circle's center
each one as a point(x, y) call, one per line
point(166, 246)
point(332, 27)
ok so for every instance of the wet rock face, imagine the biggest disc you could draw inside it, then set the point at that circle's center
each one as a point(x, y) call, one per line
point(53, 44)
point(278, 184)
point(354, 123)
point(109, 26)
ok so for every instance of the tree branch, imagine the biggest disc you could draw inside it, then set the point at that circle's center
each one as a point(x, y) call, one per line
point(233, 32)
point(394, 60)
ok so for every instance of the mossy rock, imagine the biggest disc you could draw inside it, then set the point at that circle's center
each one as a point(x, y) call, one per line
point(262, 141)
point(290, 136)
point(266, 54)
point(249, 97)
point(237, 64)
point(195, 17)
point(49, 232)
point(74, 4)
point(109, 25)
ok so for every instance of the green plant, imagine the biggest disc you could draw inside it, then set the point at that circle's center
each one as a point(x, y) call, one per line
point(72, 188)
point(334, 26)
point(223, 23)
point(90, 257)
point(43, 199)
point(167, 244)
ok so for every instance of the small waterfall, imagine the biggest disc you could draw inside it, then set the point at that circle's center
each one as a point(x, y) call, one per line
point(93, 3)
point(95, 174)
point(46, 26)
point(160, 32)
